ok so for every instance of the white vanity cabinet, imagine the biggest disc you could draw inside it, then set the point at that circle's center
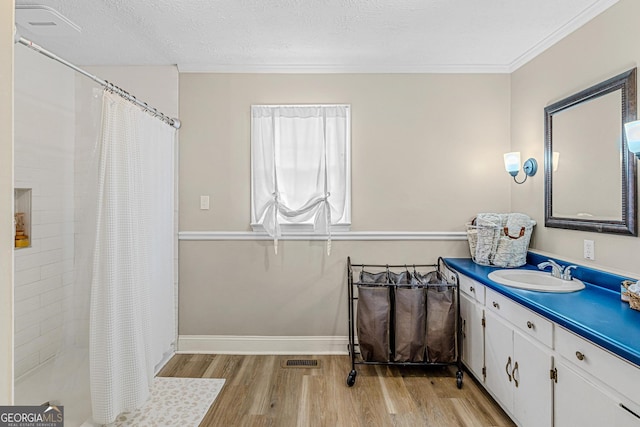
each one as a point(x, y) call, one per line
point(541, 373)
point(593, 387)
point(518, 360)
point(472, 296)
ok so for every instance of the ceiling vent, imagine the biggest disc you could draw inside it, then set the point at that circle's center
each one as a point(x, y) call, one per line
point(43, 20)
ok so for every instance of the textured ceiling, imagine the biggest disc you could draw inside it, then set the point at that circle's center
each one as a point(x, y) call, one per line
point(315, 35)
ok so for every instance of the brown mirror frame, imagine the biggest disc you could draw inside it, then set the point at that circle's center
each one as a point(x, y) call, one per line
point(626, 83)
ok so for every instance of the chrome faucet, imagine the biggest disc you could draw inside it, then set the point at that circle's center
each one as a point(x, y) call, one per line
point(556, 269)
point(566, 274)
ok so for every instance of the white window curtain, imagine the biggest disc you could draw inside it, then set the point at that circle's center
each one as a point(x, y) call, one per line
point(300, 168)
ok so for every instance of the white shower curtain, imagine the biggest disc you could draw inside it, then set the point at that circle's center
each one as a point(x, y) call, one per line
point(133, 257)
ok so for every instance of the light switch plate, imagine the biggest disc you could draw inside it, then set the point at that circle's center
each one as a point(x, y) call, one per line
point(204, 202)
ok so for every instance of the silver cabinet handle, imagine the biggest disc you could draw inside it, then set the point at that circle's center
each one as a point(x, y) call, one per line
point(579, 355)
point(496, 305)
point(530, 325)
point(506, 368)
point(472, 289)
point(515, 368)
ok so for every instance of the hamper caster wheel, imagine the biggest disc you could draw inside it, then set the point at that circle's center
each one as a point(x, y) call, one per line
point(459, 379)
point(351, 378)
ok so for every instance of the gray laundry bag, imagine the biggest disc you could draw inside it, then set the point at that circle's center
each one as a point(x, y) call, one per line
point(373, 317)
point(441, 324)
point(409, 324)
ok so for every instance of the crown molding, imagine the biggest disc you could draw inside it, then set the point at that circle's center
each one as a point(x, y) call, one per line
point(345, 69)
point(578, 21)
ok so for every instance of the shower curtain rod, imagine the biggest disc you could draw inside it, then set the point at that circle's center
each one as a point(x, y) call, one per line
point(107, 85)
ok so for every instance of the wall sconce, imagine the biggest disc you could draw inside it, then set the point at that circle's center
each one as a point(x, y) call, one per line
point(512, 165)
point(632, 131)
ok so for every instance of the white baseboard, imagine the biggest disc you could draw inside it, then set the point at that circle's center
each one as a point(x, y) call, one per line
point(234, 344)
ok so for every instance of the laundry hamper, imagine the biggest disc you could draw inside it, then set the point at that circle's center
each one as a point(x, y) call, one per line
point(403, 318)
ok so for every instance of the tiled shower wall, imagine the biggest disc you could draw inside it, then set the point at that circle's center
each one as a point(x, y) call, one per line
point(44, 161)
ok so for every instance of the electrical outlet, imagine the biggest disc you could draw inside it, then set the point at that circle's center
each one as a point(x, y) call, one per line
point(589, 250)
point(204, 202)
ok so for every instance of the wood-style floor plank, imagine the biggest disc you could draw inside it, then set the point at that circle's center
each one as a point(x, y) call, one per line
point(260, 392)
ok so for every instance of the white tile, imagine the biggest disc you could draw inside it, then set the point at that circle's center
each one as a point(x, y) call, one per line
point(24, 277)
point(26, 335)
point(24, 173)
point(23, 252)
point(68, 261)
point(29, 290)
point(53, 282)
point(51, 323)
point(50, 257)
point(24, 321)
point(30, 347)
point(67, 291)
point(45, 202)
point(51, 243)
point(35, 244)
point(25, 364)
point(68, 244)
point(50, 270)
point(26, 262)
point(50, 216)
point(52, 336)
point(36, 217)
point(49, 351)
point(52, 296)
point(49, 309)
point(47, 230)
point(68, 277)
point(27, 306)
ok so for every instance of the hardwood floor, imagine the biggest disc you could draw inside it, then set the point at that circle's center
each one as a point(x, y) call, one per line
point(260, 392)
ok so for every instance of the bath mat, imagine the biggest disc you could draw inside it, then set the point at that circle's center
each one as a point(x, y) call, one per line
point(174, 402)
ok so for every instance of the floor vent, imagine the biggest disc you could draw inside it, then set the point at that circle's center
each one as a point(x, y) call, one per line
point(301, 363)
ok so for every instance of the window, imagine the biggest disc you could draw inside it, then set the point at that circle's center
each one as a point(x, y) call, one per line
point(300, 168)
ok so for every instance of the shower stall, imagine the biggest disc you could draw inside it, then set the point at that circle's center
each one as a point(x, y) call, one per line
point(58, 122)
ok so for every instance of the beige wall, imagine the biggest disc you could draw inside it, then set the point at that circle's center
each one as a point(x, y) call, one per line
point(603, 48)
point(6, 202)
point(426, 156)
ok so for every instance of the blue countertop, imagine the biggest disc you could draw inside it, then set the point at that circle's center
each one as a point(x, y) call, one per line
point(595, 313)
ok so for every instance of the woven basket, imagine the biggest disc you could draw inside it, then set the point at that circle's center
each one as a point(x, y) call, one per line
point(624, 289)
point(634, 301)
point(494, 246)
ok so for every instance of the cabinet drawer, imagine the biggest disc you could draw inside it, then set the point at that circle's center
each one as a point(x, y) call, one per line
point(472, 288)
point(608, 368)
point(526, 320)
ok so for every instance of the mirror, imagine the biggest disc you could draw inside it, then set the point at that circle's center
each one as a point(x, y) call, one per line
point(590, 175)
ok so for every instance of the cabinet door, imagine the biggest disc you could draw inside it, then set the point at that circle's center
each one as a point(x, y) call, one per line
point(533, 388)
point(578, 402)
point(472, 335)
point(499, 361)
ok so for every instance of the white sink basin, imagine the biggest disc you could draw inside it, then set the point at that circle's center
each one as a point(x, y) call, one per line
point(535, 281)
